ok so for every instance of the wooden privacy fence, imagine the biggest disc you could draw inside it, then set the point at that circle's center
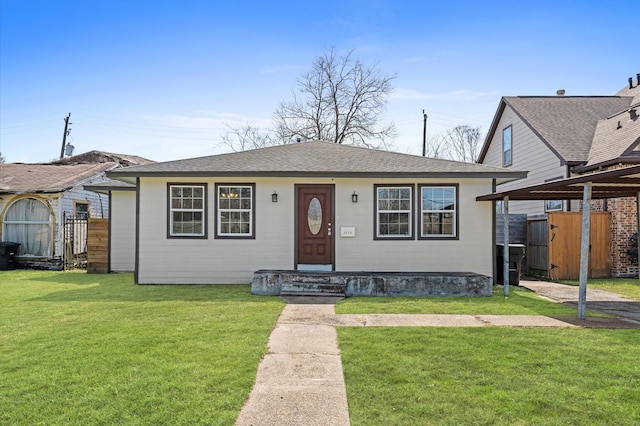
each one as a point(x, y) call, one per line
point(553, 247)
point(98, 246)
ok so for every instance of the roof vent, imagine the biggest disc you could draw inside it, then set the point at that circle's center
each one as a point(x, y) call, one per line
point(633, 114)
point(638, 79)
point(560, 92)
point(630, 82)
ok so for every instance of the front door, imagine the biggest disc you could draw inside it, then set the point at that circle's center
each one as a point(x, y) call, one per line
point(314, 230)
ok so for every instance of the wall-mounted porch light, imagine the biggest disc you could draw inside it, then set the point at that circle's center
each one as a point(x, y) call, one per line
point(274, 197)
point(354, 197)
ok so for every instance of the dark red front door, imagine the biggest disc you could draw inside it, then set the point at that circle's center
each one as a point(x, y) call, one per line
point(314, 222)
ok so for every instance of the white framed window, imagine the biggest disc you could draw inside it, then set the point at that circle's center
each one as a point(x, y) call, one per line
point(81, 210)
point(552, 205)
point(29, 222)
point(187, 210)
point(394, 211)
point(506, 147)
point(438, 211)
point(235, 211)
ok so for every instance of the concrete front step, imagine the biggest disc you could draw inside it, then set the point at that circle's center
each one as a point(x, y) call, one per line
point(313, 287)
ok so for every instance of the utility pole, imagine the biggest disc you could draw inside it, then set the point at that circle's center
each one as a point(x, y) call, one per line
point(424, 135)
point(65, 134)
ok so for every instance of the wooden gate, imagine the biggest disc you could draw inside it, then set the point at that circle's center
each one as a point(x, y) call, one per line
point(564, 237)
point(537, 246)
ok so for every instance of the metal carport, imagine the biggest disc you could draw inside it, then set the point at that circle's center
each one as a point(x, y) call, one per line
point(615, 183)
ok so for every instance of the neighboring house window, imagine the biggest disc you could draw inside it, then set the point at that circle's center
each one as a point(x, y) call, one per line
point(235, 211)
point(553, 205)
point(394, 212)
point(438, 211)
point(506, 147)
point(187, 210)
point(81, 210)
point(29, 222)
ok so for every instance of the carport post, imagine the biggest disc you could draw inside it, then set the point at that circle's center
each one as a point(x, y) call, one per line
point(584, 250)
point(505, 250)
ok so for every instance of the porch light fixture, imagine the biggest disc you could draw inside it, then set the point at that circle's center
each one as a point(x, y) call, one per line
point(354, 197)
point(274, 197)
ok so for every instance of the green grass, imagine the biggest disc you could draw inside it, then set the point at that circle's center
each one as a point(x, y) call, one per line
point(491, 376)
point(519, 302)
point(79, 349)
point(627, 287)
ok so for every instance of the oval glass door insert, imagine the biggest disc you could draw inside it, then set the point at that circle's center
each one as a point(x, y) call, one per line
point(314, 216)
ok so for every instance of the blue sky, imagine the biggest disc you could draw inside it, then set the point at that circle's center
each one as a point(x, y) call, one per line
point(160, 79)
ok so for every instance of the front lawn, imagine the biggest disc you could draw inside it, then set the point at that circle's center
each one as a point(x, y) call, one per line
point(79, 349)
point(491, 376)
point(626, 287)
point(520, 302)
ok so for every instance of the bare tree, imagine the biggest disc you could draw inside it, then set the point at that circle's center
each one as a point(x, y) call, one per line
point(462, 143)
point(2, 160)
point(340, 100)
point(436, 147)
point(247, 137)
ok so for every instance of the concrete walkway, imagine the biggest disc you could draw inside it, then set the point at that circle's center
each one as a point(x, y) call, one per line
point(300, 379)
point(597, 300)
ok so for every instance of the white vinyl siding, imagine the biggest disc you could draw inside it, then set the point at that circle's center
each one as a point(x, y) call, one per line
point(233, 261)
point(529, 153)
point(122, 231)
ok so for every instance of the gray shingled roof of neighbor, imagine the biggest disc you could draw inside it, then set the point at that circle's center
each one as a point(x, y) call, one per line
point(317, 159)
point(33, 178)
point(566, 124)
point(616, 137)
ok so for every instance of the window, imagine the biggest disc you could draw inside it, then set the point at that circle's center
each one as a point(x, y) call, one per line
point(552, 205)
point(235, 212)
point(394, 212)
point(81, 210)
point(187, 209)
point(506, 147)
point(438, 211)
point(29, 222)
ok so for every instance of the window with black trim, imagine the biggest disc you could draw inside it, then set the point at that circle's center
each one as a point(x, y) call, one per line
point(394, 212)
point(187, 210)
point(235, 210)
point(438, 211)
point(506, 147)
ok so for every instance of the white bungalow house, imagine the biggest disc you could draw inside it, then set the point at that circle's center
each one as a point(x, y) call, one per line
point(312, 206)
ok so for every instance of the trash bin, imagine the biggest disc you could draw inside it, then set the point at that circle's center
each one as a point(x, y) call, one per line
point(8, 253)
point(516, 254)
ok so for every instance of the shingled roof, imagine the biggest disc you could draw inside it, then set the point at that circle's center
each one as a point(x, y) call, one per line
point(95, 157)
point(316, 159)
point(34, 178)
point(583, 131)
point(566, 124)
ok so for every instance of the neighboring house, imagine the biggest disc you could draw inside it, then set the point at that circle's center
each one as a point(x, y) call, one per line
point(307, 206)
point(556, 137)
point(36, 199)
